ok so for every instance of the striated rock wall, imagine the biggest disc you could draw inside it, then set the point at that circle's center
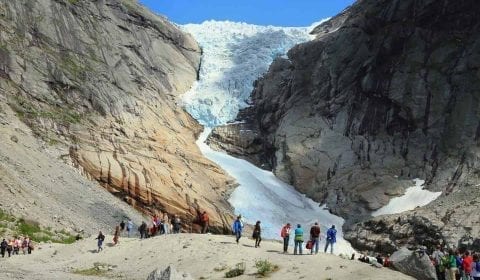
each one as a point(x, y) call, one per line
point(387, 92)
point(101, 78)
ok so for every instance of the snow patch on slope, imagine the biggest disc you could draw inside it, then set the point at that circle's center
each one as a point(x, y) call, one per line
point(414, 197)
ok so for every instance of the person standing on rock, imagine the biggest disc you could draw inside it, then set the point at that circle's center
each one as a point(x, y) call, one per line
point(298, 240)
point(331, 239)
point(237, 228)
point(177, 224)
point(116, 235)
point(129, 227)
point(285, 234)
point(100, 239)
point(204, 221)
point(315, 237)
point(257, 234)
point(3, 247)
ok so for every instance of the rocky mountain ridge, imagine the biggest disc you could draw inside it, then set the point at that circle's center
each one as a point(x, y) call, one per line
point(99, 80)
point(387, 92)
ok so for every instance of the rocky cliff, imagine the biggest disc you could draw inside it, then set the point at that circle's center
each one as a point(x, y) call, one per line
point(387, 92)
point(99, 81)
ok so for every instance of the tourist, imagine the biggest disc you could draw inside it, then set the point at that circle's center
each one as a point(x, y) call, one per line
point(100, 239)
point(437, 256)
point(25, 243)
point(11, 244)
point(257, 234)
point(17, 243)
point(386, 261)
point(204, 220)
point(285, 234)
point(142, 229)
point(129, 227)
point(380, 259)
point(237, 228)
point(467, 265)
point(331, 239)
point(166, 223)
point(451, 265)
point(122, 226)
point(315, 237)
point(116, 235)
point(3, 247)
point(298, 240)
point(176, 224)
point(459, 262)
point(475, 267)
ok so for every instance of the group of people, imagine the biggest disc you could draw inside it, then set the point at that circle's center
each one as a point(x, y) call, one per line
point(15, 245)
point(455, 264)
point(286, 231)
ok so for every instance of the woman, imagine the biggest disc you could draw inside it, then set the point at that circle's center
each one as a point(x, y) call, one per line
point(257, 234)
point(116, 235)
point(100, 239)
point(166, 224)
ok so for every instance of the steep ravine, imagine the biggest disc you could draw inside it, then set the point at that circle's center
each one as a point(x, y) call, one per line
point(387, 92)
point(99, 81)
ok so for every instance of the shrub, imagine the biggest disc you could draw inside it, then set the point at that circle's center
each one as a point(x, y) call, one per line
point(264, 267)
point(237, 271)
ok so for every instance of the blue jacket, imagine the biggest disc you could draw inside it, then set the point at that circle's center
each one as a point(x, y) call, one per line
point(332, 235)
point(299, 234)
point(237, 226)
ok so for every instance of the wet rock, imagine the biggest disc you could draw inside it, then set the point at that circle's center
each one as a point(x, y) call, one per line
point(169, 273)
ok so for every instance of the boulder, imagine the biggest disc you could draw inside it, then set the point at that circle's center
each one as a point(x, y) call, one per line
point(413, 264)
point(169, 273)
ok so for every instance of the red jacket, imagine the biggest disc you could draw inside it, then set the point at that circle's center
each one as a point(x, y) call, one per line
point(285, 231)
point(467, 264)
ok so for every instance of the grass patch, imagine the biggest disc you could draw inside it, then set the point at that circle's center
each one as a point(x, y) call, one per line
point(264, 268)
point(98, 269)
point(15, 227)
point(237, 271)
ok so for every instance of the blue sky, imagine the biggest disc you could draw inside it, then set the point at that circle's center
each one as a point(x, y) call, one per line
point(263, 12)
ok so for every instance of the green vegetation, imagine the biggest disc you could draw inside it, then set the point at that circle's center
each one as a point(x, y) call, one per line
point(237, 271)
point(98, 269)
point(264, 268)
point(14, 227)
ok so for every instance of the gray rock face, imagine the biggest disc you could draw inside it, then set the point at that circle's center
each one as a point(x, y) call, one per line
point(387, 92)
point(413, 264)
point(100, 79)
point(168, 274)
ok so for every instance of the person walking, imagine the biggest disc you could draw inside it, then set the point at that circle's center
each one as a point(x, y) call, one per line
point(237, 228)
point(315, 237)
point(129, 227)
point(467, 265)
point(142, 229)
point(204, 221)
point(10, 245)
point(3, 247)
point(100, 239)
point(331, 239)
point(298, 240)
point(285, 234)
point(116, 235)
point(257, 234)
point(122, 226)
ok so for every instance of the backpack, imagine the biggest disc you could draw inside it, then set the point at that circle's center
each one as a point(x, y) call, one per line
point(309, 244)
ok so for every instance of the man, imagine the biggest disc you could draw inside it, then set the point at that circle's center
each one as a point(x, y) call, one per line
point(437, 256)
point(237, 228)
point(100, 239)
point(285, 234)
point(204, 220)
point(315, 237)
point(129, 227)
point(122, 226)
point(467, 264)
point(177, 224)
point(331, 238)
point(298, 239)
point(143, 230)
point(3, 247)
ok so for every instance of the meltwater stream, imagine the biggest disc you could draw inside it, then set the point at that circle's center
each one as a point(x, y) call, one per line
point(234, 56)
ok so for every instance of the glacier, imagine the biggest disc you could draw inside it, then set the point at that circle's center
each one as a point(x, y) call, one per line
point(234, 55)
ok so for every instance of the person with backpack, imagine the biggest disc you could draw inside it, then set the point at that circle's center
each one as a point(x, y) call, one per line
point(25, 243)
point(315, 237)
point(451, 265)
point(257, 234)
point(475, 267)
point(285, 234)
point(204, 221)
point(3, 247)
point(237, 228)
point(10, 245)
point(437, 256)
point(331, 239)
point(298, 240)
point(100, 239)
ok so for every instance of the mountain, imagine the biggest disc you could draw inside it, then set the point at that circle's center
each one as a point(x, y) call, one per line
point(387, 92)
point(97, 83)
